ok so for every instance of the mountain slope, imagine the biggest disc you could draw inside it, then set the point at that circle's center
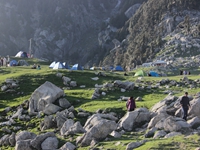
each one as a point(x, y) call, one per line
point(101, 32)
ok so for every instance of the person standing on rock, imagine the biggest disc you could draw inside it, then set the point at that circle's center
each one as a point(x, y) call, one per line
point(130, 104)
point(185, 104)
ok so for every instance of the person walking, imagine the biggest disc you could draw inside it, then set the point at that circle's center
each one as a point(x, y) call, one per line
point(185, 104)
point(130, 104)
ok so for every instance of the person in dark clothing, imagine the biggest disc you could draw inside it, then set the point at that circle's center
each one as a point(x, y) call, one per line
point(181, 72)
point(185, 104)
point(130, 104)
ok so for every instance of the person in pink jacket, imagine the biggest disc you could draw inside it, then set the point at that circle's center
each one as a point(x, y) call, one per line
point(130, 104)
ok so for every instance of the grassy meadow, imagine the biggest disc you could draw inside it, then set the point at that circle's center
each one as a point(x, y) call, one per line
point(30, 79)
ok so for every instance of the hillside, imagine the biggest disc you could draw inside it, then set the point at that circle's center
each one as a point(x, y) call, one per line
point(101, 32)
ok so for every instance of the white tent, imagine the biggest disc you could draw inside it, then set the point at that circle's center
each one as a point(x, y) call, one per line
point(52, 64)
point(59, 65)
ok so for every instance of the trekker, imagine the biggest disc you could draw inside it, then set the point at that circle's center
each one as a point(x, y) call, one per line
point(130, 104)
point(185, 104)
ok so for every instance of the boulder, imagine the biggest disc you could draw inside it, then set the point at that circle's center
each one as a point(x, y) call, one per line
point(133, 145)
point(24, 135)
point(47, 92)
point(50, 143)
point(47, 123)
point(97, 129)
point(76, 128)
point(38, 140)
point(23, 145)
point(66, 126)
point(157, 118)
point(172, 134)
point(64, 103)
point(68, 146)
point(194, 122)
point(194, 110)
point(159, 134)
point(12, 140)
point(173, 124)
point(61, 117)
point(134, 119)
point(51, 109)
point(4, 141)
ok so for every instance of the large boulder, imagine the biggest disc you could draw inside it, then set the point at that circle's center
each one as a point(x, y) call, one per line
point(47, 93)
point(38, 140)
point(66, 126)
point(50, 143)
point(173, 124)
point(156, 119)
point(97, 129)
point(165, 104)
point(23, 145)
point(194, 110)
point(134, 119)
point(24, 135)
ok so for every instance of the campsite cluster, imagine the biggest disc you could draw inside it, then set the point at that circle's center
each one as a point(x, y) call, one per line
point(49, 104)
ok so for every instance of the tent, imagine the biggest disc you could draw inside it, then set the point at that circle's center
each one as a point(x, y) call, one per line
point(154, 74)
point(92, 68)
point(66, 65)
point(22, 63)
point(76, 67)
point(13, 63)
point(21, 54)
point(59, 65)
point(52, 64)
point(139, 73)
point(118, 68)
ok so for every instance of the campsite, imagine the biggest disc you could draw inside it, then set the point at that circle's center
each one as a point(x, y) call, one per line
point(81, 93)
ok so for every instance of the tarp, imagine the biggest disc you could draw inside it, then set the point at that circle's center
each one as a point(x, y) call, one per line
point(76, 67)
point(59, 65)
point(22, 63)
point(118, 68)
point(139, 73)
point(66, 65)
point(52, 64)
point(13, 63)
point(21, 54)
point(153, 74)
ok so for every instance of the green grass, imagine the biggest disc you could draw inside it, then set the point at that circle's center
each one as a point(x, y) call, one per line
point(31, 79)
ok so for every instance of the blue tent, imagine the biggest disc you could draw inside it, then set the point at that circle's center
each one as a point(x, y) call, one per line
point(52, 64)
point(154, 74)
point(59, 65)
point(13, 63)
point(76, 67)
point(66, 65)
point(118, 68)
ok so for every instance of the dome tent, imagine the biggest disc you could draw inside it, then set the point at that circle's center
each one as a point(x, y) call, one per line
point(21, 54)
point(22, 63)
point(66, 65)
point(13, 63)
point(139, 73)
point(52, 64)
point(59, 65)
point(118, 68)
point(76, 67)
